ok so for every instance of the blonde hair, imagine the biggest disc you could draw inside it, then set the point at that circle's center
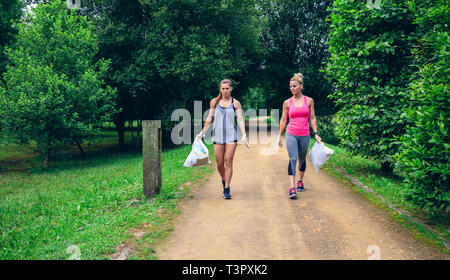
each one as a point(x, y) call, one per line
point(298, 77)
point(219, 97)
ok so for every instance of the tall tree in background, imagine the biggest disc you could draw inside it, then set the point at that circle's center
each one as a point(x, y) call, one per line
point(192, 45)
point(371, 67)
point(295, 38)
point(54, 95)
point(10, 10)
point(120, 27)
point(167, 53)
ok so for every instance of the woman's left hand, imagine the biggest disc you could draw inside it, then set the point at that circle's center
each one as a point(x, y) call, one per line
point(244, 139)
point(318, 139)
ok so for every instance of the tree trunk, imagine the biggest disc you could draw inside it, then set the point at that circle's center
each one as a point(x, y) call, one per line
point(130, 128)
point(46, 159)
point(120, 127)
point(139, 134)
point(80, 148)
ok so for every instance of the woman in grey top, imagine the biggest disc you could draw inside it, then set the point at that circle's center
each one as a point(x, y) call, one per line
point(222, 113)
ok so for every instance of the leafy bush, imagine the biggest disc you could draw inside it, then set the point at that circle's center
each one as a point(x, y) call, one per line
point(425, 150)
point(326, 126)
point(370, 65)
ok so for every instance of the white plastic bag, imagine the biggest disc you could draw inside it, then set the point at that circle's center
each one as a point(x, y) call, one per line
point(199, 155)
point(319, 154)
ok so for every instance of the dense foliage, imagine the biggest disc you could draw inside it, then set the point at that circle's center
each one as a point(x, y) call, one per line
point(294, 37)
point(53, 93)
point(371, 66)
point(425, 147)
point(165, 54)
point(389, 65)
point(10, 10)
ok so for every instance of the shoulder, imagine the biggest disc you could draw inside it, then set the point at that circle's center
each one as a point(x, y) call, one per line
point(213, 101)
point(286, 102)
point(310, 100)
point(237, 104)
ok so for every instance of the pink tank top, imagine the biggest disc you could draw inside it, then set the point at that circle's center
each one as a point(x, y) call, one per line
point(298, 118)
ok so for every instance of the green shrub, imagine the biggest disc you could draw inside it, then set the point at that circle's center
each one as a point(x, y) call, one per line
point(424, 155)
point(326, 126)
point(370, 65)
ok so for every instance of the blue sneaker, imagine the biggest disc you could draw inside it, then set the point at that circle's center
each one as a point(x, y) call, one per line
point(300, 186)
point(226, 193)
point(292, 193)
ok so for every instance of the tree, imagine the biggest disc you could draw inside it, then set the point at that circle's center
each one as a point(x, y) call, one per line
point(370, 65)
point(167, 53)
point(294, 37)
point(120, 28)
point(53, 93)
point(10, 10)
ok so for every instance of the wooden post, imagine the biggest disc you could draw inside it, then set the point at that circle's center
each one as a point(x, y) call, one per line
point(151, 153)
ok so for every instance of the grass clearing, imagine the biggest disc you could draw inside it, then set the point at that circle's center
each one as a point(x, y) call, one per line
point(94, 202)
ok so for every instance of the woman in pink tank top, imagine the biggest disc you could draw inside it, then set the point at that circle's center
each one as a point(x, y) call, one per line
point(300, 111)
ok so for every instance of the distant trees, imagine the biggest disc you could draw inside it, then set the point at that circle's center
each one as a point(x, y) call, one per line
point(53, 94)
point(294, 37)
point(10, 10)
point(167, 53)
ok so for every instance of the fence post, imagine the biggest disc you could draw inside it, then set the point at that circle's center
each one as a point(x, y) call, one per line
point(151, 154)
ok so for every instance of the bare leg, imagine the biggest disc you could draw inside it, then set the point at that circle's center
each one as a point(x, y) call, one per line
point(229, 155)
point(219, 151)
point(301, 174)
point(292, 181)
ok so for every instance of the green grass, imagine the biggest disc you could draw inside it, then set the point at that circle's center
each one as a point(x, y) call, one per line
point(92, 202)
point(391, 187)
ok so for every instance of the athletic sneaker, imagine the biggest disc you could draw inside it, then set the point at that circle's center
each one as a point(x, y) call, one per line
point(292, 193)
point(226, 193)
point(300, 186)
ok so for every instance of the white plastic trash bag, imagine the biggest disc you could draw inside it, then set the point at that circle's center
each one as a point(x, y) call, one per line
point(199, 155)
point(319, 154)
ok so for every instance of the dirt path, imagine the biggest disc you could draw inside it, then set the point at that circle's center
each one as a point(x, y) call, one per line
point(327, 221)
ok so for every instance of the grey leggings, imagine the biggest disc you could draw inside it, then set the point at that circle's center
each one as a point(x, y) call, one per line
point(297, 147)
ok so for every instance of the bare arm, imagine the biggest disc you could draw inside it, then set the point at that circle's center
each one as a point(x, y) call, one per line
point(239, 115)
point(210, 117)
point(284, 117)
point(313, 119)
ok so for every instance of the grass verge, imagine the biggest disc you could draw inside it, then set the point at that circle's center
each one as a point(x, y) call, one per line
point(392, 188)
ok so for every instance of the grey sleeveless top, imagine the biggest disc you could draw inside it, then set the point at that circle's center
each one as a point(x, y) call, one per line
point(224, 126)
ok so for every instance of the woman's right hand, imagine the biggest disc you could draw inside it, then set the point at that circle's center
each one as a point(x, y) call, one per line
point(280, 141)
